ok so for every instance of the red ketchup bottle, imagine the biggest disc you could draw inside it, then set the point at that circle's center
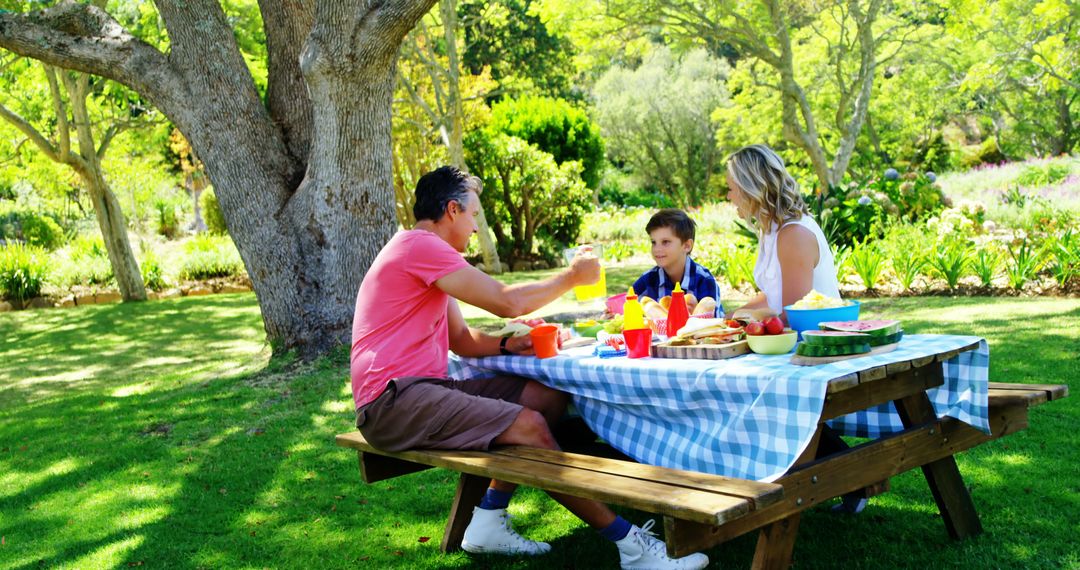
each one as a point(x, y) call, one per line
point(677, 313)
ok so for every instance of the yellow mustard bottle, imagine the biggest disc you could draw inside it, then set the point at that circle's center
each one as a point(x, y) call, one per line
point(633, 315)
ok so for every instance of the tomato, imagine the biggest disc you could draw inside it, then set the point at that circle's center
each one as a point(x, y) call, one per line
point(732, 323)
point(755, 329)
point(773, 325)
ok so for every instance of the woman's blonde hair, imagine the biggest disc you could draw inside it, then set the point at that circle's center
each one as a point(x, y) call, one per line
point(772, 193)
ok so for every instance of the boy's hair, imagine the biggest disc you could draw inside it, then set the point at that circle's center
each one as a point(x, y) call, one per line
point(436, 189)
point(676, 220)
point(773, 194)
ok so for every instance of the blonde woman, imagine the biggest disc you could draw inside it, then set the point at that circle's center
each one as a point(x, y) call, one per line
point(793, 256)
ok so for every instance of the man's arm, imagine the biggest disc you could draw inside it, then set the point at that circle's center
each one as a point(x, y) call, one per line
point(479, 289)
point(467, 341)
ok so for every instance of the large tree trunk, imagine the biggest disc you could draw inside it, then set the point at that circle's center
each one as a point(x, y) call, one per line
point(306, 245)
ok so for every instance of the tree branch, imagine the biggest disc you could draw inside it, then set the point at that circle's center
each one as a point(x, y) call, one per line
point(31, 133)
point(84, 38)
point(63, 131)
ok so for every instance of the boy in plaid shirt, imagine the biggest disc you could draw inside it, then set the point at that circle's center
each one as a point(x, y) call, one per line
point(672, 234)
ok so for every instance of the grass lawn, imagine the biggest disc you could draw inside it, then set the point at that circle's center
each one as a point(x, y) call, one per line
point(161, 435)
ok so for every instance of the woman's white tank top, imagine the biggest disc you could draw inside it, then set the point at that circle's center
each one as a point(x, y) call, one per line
point(767, 270)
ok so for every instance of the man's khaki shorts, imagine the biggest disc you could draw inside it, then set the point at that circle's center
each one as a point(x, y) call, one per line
point(439, 413)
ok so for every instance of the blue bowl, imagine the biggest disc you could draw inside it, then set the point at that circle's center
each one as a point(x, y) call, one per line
point(808, 319)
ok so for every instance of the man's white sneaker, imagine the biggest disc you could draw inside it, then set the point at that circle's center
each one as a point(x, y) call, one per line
point(641, 550)
point(490, 532)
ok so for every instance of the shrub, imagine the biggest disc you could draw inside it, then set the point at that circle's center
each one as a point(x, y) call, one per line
point(868, 263)
point(841, 262)
point(87, 263)
point(23, 270)
point(1064, 257)
point(1023, 265)
point(950, 261)
point(528, 198)
point(211, 212)
point(1036, 175)
point(903, 244)
point(168, 223)
point(209, 257)
point(555, 127)
point(987, 263)
point(152, 273)
point(41, 230)
point(737, 265)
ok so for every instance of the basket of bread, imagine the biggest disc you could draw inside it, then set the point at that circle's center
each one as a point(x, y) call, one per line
point(656, 312)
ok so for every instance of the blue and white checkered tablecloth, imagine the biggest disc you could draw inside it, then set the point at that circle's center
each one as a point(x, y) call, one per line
point(748, 417)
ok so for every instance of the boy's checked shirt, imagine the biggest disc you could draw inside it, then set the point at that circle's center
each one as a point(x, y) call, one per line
point(696, 279)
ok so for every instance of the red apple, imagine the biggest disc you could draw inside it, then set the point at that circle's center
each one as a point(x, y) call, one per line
point(773, 325)
point(755, 329)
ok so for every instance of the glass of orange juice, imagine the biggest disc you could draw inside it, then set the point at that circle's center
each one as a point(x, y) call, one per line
point(595, 290)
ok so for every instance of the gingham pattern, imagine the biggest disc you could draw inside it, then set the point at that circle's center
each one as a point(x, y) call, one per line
point(748, 417)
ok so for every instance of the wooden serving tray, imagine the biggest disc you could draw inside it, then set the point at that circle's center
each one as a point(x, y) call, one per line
point(701, 351)
point(815, 360)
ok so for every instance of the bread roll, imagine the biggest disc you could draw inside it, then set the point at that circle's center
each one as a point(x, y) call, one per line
point(691, 302)
point(665, 302)
point(706, 306)
point(654, 310)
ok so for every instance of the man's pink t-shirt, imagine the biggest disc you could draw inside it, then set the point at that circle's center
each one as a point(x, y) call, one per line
point(400, 328)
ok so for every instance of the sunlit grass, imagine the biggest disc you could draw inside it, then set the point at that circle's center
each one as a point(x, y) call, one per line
point(161, 435)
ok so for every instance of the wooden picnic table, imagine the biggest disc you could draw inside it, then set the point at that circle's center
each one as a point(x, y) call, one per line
point(928, 442)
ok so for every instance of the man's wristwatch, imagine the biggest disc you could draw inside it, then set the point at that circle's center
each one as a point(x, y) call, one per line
point(502, 346)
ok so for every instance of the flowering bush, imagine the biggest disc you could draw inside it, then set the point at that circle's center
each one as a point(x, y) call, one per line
point(856, 212)
point(953, 223)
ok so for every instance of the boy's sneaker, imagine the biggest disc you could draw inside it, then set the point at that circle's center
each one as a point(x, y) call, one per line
point(641, 550)
point(490, 532)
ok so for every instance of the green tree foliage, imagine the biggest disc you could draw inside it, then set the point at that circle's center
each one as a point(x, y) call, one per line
point(557, 128)
point(656, 120)
point(524, 58)
point(532, 203)
point(211, 211)
point(1028, 70)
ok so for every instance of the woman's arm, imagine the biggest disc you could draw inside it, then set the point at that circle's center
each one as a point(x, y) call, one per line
point(797, 250)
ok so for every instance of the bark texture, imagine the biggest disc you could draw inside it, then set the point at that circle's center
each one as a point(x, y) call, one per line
point(304, 181)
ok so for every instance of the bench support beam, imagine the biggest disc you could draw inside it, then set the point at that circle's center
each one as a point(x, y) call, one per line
point(942, 475)
point(470, 491)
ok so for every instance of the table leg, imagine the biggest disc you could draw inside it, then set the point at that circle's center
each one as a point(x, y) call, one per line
point(776, 541)
point(952, 497)
point(470, 491)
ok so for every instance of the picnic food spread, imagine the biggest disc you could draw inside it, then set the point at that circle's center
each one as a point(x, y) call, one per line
point(843, 338)
point(815, 300)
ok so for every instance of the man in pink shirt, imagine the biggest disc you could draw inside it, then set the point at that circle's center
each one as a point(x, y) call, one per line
point(407, 318)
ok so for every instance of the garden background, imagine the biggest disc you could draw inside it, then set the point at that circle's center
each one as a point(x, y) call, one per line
point(935, 142)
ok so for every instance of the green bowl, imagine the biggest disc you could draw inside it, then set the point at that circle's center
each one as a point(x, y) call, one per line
point(773, 343)
point(588, 330)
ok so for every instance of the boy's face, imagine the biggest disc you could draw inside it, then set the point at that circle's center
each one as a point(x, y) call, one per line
point(667, 249)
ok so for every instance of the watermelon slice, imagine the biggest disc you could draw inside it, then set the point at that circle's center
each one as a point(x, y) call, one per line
point(873, 328)
point(887, 339)
point(804, 349)
point(835, 338)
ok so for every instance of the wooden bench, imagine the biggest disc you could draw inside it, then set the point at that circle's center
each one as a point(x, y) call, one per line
point(683, 495)
point(702, 510)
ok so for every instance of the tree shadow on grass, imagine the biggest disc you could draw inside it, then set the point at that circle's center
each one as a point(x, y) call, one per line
point(53, 353)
